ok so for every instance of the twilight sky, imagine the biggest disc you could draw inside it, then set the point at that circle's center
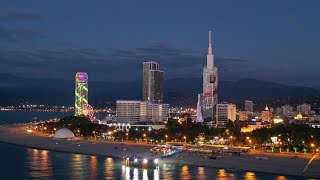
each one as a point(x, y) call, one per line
point(269, 40)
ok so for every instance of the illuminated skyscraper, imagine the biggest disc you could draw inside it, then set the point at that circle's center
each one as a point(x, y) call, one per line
point(210, 84)
point(152, 82)
point(81, 94)
point(248, 106)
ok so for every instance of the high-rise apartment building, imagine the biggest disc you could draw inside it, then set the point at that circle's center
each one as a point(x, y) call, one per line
point(152, 89)
point(225, 112)
point(130, 111)
point(304, 109)
point(286, 110)
point(248, 106)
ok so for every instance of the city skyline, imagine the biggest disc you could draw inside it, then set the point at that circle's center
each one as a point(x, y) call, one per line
point(164, 100)
point(262, 45)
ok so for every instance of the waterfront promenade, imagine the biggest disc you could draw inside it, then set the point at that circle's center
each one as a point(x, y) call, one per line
point(285, 164)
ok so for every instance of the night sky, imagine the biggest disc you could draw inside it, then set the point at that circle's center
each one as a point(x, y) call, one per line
point(269, 40)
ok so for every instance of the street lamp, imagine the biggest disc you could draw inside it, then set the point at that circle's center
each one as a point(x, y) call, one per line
point(144, 136)
point(230, 137)
point(127, 134)
point(185, 139)
point(312, 145)
point(166, 138)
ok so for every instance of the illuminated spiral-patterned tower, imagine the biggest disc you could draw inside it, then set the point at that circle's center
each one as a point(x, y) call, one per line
point(81, 93)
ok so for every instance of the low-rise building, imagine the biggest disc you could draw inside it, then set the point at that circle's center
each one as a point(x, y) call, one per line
point(266, 115)
point(252, 127)
point(243, 115)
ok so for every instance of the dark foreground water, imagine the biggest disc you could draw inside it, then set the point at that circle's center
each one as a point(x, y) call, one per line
point(24, 163)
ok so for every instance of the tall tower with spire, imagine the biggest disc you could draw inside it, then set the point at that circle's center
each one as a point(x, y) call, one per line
point(210, 84)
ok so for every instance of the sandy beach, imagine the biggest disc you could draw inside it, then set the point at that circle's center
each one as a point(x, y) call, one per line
point(283, 164)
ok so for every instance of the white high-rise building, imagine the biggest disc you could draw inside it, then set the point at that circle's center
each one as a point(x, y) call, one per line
point(130, 111)
point(225, 112)
point(210, 84)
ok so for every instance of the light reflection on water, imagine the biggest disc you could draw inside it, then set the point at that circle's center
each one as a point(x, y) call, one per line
point(135, 174)
point(185, 174)
point(93, 167)
point(281, 178)
point(250, 176)
point(77, 165)
point(109, 168)
point(39, 164)
point(156, 174)
point(145, 174)
point(222, 174)
point(42, 164)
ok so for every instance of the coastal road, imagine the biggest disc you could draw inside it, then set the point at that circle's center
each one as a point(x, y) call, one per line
point(309, 162)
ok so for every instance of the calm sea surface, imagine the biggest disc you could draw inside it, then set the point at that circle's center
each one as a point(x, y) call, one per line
point(24, 163)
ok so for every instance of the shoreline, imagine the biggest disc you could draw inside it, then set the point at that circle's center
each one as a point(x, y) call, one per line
point(246, 162)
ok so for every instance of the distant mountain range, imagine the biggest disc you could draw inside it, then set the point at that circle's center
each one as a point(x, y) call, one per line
point(182, 91)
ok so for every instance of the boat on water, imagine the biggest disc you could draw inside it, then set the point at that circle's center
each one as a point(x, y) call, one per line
point(170, 152)
point(142, 162)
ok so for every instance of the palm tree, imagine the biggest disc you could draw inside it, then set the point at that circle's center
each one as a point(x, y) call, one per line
point(272, 148)
point(304, 150)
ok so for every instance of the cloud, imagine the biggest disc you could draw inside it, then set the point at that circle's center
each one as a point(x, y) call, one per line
point(17, 34)
point(15, 14)
point(113, 65)
point(116, 64)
